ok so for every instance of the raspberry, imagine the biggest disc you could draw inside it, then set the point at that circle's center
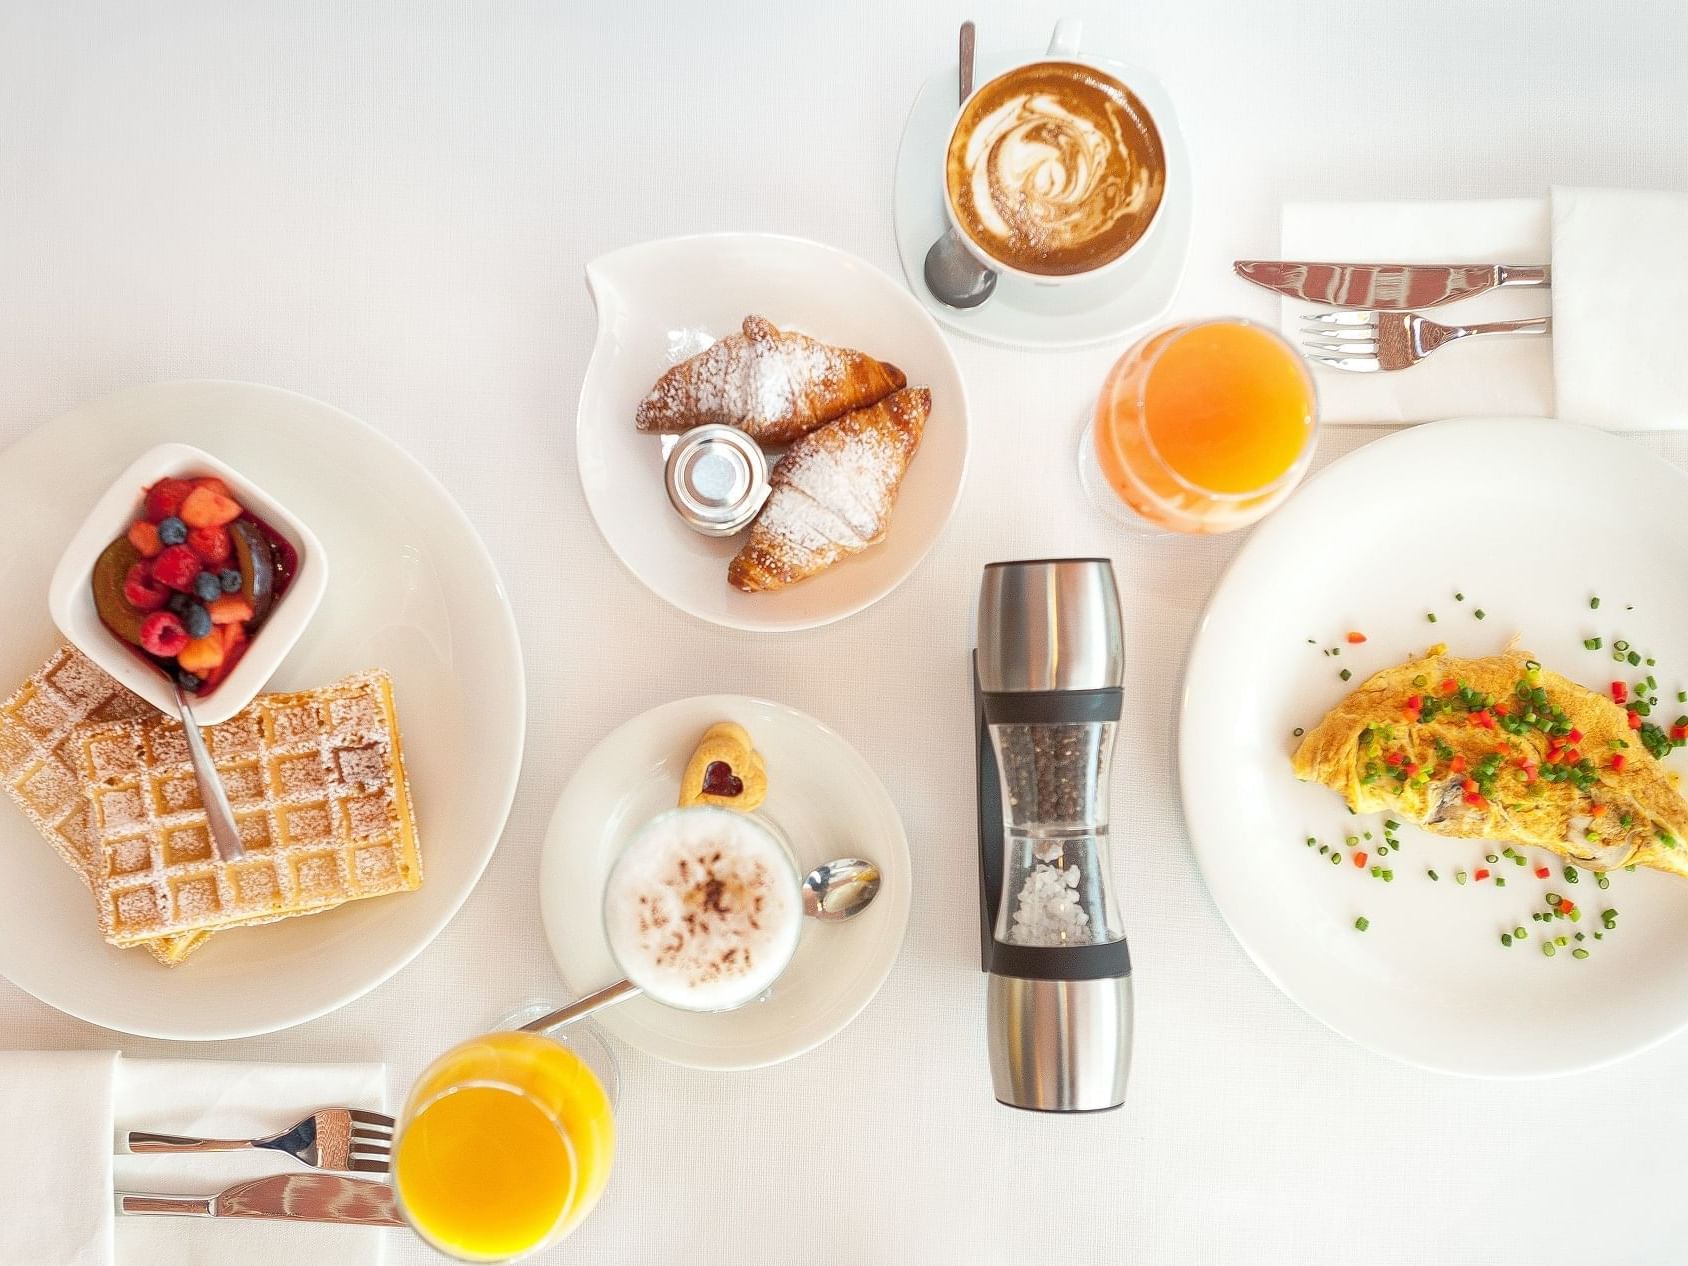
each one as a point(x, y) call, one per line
point(165, 498)
point(211, 544)
point(141, 591)
point(176, 567)
point(162, 634)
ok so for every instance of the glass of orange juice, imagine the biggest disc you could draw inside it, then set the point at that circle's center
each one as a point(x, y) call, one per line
point(504, 1147)
point(1201, 427)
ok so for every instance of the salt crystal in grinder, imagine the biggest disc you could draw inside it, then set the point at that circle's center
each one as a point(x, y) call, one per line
point(1047, 691)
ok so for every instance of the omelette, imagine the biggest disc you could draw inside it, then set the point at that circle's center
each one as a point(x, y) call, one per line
point(1502, 749)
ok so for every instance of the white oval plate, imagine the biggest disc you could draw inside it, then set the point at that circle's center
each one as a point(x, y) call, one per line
point(413, 591)
point(1023, 313)
point(712, 282)
point(1528, 518)
point(821, 794)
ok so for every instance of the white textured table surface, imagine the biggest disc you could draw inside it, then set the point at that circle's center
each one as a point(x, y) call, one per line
point(388, 206)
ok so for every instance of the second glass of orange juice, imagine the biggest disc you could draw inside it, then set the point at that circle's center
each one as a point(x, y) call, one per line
point(505, 1145)
point(1200, 427)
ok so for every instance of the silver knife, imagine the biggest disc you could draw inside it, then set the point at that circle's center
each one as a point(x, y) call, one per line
point(1386, 286)
point(296, 1197)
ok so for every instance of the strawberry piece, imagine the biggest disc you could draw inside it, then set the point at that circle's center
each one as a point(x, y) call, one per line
point(231, 608)
point(206, 508)
point(211, 544)
point(165, 498)
point(141, 591)
point(214, 484)
point(162, 634)
point(144, 537)
point(176, 566)
point(202, 654)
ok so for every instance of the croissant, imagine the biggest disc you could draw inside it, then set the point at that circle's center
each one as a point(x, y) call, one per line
point(832, 493)
point(775, 385)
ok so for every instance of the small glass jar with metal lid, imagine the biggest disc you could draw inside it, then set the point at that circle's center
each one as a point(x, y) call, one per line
point(717, 479)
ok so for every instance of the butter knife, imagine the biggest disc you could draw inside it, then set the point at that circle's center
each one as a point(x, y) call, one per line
point(1386, 286)
point(293, 1197)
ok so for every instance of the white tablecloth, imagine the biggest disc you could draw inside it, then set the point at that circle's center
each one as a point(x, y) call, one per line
point(388, 206)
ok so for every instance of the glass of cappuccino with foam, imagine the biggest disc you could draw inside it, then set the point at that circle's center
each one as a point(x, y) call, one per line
point(703, 909)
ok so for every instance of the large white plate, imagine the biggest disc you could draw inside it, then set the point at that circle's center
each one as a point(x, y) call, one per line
point(1529, 519)
point(1026, 313)
point(829, 804)
point(711, 283)
point(412, 591)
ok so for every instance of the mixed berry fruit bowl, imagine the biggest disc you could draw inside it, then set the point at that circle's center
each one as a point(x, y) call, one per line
point(187, 572)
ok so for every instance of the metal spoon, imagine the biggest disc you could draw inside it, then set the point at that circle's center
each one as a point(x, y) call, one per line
point(953, 275)
point(218, 815)
point(832, 892)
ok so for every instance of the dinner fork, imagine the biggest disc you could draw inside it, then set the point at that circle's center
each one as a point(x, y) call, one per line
point(334, 1138)
point(1365, 342)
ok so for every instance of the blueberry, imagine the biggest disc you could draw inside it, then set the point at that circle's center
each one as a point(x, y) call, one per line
point(188, 680)
point(207, 586)
point(179, 603)
point(197, 620)
point(172, 531)
point(229, 580)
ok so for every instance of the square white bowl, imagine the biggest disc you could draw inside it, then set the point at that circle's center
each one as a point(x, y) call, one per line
point(70, 596)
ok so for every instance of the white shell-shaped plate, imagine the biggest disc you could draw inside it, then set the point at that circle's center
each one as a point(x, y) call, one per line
point(712, 282)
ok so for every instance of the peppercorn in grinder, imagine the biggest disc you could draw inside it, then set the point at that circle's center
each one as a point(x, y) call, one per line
point(1047, 680)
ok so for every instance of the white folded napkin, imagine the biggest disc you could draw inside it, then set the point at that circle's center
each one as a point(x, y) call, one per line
point(56, 1196)
point(55, 1169)
point(1492, 377)
point(1620, 279)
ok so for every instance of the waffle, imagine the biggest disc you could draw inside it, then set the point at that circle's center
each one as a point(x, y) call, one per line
point(39, 761)
point(317, 784)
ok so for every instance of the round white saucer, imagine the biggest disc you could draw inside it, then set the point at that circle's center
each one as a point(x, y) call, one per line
point(1023, 313)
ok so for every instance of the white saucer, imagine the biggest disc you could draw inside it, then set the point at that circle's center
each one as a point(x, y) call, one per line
point(825, 799)
point(1022, 313)
point(413, 591)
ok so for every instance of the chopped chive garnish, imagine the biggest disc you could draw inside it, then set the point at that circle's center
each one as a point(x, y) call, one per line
point(1571, 876)
point(1432, 874)
point(1345, 674)
point(1620, 645)
point(1500, 881)
point(1519, 934)
point(1479, 613)
point(1459, 597)
point(1594, 604)
point(1388, 875)
point(1335, 858)
point(1297, 732)
point(1459, 876)
point(1431, 616)
point(1547, 948)
point(1506, 938)
point(1592, 643)
point(1361, 923)
point(1579, 952)
point(1633, 658)
point(1602, 881)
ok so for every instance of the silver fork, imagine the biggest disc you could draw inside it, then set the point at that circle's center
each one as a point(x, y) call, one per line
point(1365, 342)
point(334, 1138)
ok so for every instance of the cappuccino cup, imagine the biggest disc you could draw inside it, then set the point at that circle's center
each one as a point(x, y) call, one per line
point(703, 909)
point(1054, 171)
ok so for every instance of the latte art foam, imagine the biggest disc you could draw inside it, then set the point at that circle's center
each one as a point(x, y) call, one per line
point(1055, 168)
point(702, 909)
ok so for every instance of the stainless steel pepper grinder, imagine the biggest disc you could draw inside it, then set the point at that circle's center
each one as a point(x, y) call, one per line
point(1047, 678)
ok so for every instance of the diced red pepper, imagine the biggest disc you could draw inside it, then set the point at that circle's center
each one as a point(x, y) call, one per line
point(1410, 768)
point(1678, 733)
point(1482, 872)
point(1634, 719)
point(1597, 811)
point(1393, 758)
point(1477, 802)
point(1617, 762)
point(1415, 702)
point(1449, 685)
point(1360, 859)
point(1499, 709)
point(1566, 905)
point(1572, 756)
point(1469, 787)
point(1574, 737)
point(1354, 639)
point(1620, 692)
point(1459, 765)
point(1542, 872)
point(1482, 719)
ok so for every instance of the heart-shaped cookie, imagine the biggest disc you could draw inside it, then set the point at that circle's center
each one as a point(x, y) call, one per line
point(725, 771)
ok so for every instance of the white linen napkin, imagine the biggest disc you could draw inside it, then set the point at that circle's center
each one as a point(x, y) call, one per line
point(1494, 377)
point(1620, 279)
point(68, 1112)
point(55, 1170)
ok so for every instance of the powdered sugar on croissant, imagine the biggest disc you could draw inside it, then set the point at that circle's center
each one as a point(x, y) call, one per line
point(832, 493)
point(775, 385)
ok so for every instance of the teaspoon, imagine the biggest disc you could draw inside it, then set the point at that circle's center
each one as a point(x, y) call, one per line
point(953, 275)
